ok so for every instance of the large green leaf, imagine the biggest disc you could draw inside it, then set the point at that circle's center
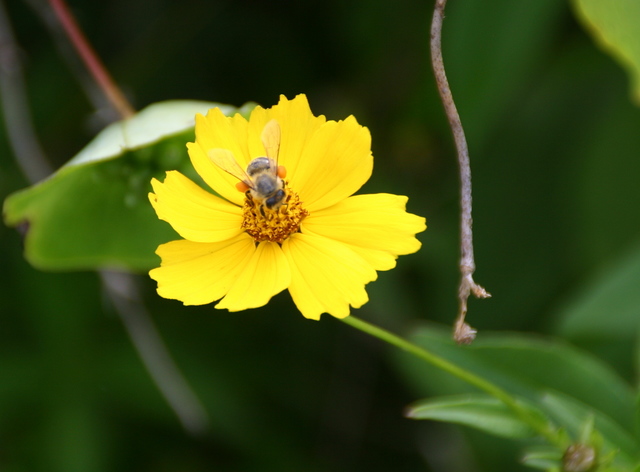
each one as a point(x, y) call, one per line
point(608, 306)
point(94, 212)
point(510, 52)
point(525, 366)
point(490, 415)
point(568, 386)
point(614, 25)
point(603, 316)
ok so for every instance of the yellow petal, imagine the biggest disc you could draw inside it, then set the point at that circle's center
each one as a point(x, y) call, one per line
point(266, 274)
point(194, 213)
point(375, 226)
point(335, 163)
point(200, 273)
point(297, 124)
point(219, 131)
point(325, 161)
point(326, 276)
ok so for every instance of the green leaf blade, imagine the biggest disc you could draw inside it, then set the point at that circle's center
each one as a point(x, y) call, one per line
point(478, 411)
point(149, 126)
point(525, 366)
point(608, 305)
point(94, 212)
point(614, 25)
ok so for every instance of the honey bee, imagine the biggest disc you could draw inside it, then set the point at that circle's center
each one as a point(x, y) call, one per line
point(263, 177)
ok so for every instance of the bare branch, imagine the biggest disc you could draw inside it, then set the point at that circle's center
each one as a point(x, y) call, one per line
point(91, 59)
point(463, 333)
point(124, 294)
point(121, 287)
point(104, 110)
point(15, 107)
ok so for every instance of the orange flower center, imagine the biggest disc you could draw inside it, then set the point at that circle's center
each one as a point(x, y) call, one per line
point(274, 225)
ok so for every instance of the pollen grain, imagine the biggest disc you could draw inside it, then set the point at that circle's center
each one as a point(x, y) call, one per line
point(275, 225)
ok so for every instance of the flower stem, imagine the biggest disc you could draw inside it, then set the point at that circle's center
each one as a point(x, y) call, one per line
point(537, 424)
point(91, 59)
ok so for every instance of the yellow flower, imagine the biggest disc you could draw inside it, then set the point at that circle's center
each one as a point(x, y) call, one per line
point(318, 241)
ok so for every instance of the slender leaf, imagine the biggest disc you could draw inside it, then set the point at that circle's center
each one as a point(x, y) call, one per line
point(478, 411)
point(543, 457)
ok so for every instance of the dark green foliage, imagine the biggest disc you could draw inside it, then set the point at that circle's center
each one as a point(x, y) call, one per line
point(554, 146)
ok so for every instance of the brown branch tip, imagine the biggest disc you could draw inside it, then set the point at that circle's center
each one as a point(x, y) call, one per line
point(463, 333)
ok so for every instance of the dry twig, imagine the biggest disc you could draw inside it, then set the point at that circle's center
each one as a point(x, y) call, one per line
point(463, 333)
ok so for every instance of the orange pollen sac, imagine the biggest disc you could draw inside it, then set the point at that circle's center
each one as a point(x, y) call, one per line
point(277, 224)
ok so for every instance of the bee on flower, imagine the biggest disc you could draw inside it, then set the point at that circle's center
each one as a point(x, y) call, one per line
point(285, 217)
point(263, 178)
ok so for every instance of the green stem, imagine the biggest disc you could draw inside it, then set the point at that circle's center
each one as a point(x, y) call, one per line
point(537, 424)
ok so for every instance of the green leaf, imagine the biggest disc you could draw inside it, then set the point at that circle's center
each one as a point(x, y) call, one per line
point(604, 314)
point(525, 366)
point(94, 212)
point(614, 25)
point(607, 306)
point(478, 411)
point(513, 52)
point(543, 457)
point(154, 123)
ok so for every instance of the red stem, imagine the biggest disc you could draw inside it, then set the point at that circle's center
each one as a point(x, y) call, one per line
point(91, 59)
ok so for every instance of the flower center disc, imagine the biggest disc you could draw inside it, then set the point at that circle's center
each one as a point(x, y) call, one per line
point(274, 225)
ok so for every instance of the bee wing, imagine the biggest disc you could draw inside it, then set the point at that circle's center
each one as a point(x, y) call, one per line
point(224, 159)
point(271, 140)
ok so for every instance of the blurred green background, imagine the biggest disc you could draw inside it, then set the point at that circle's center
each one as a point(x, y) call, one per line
point(553, 137)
